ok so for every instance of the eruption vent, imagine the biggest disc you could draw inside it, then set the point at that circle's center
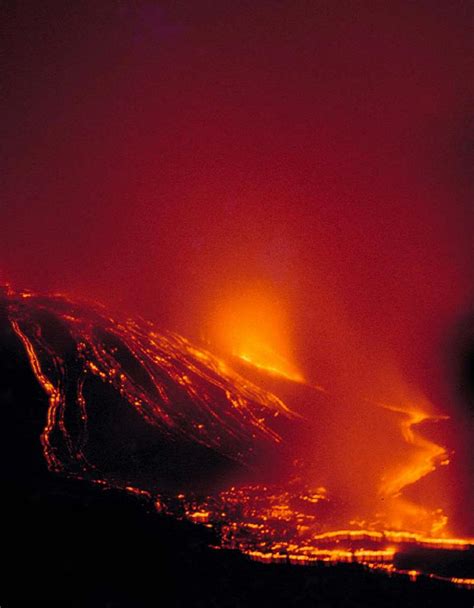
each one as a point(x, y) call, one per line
point(252, 327)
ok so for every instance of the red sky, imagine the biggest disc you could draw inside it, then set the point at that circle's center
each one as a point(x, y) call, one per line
point(162, 156)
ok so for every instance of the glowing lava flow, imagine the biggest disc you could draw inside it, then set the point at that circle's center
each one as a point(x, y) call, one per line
point(190, 396)
point(429, 454)
point(275, 525)
point(426, 457)
point(279, 366)
point(180, 389)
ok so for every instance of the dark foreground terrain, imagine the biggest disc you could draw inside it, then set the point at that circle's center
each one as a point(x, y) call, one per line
point(70, 545)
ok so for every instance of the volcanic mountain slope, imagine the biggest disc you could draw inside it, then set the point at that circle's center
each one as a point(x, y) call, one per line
point(128, 402)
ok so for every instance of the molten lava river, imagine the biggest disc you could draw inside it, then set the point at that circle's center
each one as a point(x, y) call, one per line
point(282, 470)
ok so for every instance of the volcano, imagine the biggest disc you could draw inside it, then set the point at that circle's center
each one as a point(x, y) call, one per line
point(148, 392)
point(108, 411)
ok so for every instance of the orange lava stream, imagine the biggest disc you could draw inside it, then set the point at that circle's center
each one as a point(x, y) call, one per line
point(428, 456)
point(282, 370)
point(229, 413)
